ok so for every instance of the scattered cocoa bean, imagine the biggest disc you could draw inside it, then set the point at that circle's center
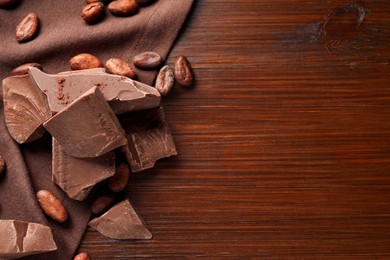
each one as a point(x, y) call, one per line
point(52, 206)
point(165, 80)
point(82, 256)
point(23, 69)
point(84, 61)
point(123, 7)
point(27, 29)
point(102, 203)
point(95, 1)
point(148, 60)
point(120, 179)
point(120, 67)
point(144, 2)
point(7, 3)
point(93, 12)
point(2, 164)
point(183, 72)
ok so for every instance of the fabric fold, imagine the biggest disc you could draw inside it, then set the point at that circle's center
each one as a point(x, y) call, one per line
point(62, 35)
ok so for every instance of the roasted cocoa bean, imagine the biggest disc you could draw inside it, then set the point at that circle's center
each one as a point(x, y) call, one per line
point(27, 29)
point(84, 61)
point(52, 206)
point(183, 72)
point(102, 203)
point(93, 12)
point(23, 69)
point(144, 2)
point(2, 165)
point(95, 1)
point(148, 60)
point(120, 67)
point(7, 3)
point(82, 256)
point(123, 7)
point(165, 80)
point(119, 181)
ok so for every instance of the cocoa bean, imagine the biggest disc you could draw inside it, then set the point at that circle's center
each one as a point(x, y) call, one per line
point(123, 7)
point(183, 72)
point(120, 179)
point(82, 256)
point(120, 67)
point(84, 61)
point(52, 206)
point(93, 12)
point(27, 29)
point(2, 165)
point(102, 203)
point(144, 2)
point(148, 60)
point(95, 1)
point(23, 69)
point(7, 3)
point(165, 80)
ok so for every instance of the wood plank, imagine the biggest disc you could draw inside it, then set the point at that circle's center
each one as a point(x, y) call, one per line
point(284, 143)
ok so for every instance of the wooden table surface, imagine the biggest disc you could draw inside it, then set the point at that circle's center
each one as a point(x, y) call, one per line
point(284, 142)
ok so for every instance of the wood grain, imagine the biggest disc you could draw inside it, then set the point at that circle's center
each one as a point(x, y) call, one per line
point(284, 142)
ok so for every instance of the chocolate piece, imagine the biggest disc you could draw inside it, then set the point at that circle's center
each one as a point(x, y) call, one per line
point(149, 138)
point(77, 176)
point(87, 127)
point(121, 222)
point(20, 238)
point(25, 108)
point(123, 94)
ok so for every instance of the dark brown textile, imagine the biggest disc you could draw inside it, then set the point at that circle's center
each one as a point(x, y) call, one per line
point(62, 35)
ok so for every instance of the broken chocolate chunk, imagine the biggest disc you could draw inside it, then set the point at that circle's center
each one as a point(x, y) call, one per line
point(87, 127)
point(123, 94)
point(77, 176)
point(25, 108)
point(149, 138)
point(20, 238)
point(121, 222)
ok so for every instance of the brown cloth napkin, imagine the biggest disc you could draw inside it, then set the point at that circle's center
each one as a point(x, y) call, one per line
point(62, 35)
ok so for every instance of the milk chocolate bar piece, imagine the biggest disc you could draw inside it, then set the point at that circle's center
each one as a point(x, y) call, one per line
point(121, 222)
point(77, 176)
point(123, 94)
point(87, 127)
point(148, 138)
point(25, 108)
point(20, 238)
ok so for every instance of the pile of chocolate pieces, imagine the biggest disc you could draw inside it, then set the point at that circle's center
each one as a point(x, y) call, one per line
point(91, 115)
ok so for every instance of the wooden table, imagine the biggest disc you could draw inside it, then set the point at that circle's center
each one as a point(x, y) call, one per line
point(284, 142)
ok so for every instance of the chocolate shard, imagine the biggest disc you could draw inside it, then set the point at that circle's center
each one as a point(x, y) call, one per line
point(148, 138)
point(25, 108)
point(123, 94)
point(121, 222)
point(87, 127)
point(77, 176)
point(20, 238)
